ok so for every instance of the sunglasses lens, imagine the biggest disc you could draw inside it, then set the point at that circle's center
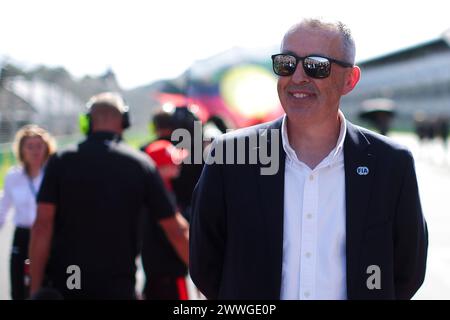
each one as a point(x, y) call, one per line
point(284, 65)
point(314, 66)
point(317, 67)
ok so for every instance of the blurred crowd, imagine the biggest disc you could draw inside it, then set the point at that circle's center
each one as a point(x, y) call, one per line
point(99, 205)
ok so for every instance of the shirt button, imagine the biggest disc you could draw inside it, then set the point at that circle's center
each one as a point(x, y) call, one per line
point(309, 216)
point(311, 177)
point(308, 254)
point(306, 294)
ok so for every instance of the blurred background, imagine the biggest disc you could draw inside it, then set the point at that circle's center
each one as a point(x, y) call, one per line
point(215, 56)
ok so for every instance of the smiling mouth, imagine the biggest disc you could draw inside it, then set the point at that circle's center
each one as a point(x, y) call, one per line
point(301, 95)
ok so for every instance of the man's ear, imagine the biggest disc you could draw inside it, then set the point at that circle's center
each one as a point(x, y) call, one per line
point(351, 80)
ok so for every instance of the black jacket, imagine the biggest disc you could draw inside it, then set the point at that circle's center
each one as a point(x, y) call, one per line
point(236, 235)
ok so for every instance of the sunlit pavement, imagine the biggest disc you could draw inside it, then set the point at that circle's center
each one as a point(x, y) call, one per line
point(433, 174)
point(433, 171)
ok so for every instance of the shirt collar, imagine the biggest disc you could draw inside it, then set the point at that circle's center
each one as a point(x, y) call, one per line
point(23, 171)
point(333, 155)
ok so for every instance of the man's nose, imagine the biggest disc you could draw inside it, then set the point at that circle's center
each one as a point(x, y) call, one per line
point(299, 75)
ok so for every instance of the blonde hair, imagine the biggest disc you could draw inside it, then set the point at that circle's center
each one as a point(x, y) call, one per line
point(28, 131)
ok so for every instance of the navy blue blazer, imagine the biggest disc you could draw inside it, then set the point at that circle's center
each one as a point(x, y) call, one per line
point(236, 231)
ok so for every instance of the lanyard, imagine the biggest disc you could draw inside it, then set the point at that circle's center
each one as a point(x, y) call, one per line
point(31, 185)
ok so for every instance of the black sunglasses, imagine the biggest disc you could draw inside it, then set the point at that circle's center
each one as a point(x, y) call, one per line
point(315, 66)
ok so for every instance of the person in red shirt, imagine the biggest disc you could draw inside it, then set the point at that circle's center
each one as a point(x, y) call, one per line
point(167, 159)
point(164, 270)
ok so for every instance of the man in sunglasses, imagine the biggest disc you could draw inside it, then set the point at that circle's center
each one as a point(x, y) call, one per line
point(340, 219)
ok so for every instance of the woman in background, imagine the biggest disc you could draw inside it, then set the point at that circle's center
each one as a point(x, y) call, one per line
point(32, 147)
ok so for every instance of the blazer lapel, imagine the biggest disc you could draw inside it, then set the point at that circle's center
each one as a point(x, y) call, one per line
point(271, 188)
point(359, 171)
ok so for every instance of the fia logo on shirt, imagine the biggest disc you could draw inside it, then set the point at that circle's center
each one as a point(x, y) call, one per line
point(362, 171)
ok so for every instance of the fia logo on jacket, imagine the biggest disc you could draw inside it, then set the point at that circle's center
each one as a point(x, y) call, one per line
point(362, 171)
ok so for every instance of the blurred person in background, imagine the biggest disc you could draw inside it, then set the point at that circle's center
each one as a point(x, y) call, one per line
point(219, 122)
point(84, 242)
point(161, 126)
point(165, 271)
point(190, 172)
point(212, 129)
point(163, 123)
point(32, 147)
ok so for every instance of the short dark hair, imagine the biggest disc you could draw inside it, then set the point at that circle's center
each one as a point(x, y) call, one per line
point(348, 43)
point(163, 120)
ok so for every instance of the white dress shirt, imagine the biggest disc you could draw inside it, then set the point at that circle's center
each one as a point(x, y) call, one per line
point(20, 195)
point(314, 259)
